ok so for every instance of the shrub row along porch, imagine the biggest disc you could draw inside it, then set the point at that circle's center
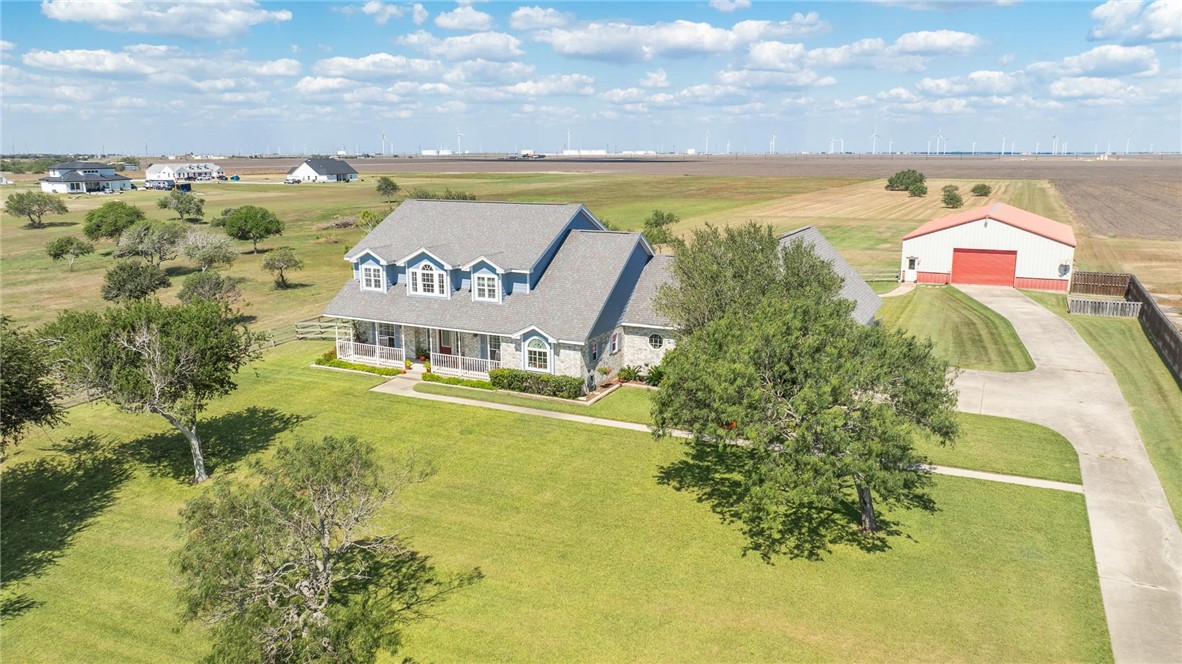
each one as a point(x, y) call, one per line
point(451, 352)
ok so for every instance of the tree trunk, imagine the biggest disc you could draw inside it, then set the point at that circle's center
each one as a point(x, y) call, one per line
point(199, 474)
point(866, 502)
point(255, 244)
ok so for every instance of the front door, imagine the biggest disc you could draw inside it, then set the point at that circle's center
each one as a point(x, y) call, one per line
point(447, 339)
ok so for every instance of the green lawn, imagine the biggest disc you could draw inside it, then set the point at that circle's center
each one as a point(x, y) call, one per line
point(629, 404)
point(966, 333)
point(586, 556)
point(1154, 397)
point(992, 444)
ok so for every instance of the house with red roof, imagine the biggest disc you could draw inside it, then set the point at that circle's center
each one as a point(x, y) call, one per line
point(997, 244)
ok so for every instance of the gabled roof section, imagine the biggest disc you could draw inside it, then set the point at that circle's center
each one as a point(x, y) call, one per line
point(514, 235)
point(329, 167)
point(1006, 214)
point(79, 165)
point(79, 176)
point(640, 311)
point(854, 287)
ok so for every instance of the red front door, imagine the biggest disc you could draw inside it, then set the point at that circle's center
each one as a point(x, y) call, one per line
point(446, 339)
point(988, 267)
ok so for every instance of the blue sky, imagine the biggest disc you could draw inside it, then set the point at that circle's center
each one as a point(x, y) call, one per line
point(225, 76)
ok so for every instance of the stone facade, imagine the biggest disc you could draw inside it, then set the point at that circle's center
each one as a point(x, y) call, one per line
point(638, 349)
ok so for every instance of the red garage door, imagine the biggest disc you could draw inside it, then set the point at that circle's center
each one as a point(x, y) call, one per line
point(984, 266)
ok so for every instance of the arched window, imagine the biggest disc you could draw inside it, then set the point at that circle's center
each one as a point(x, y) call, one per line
point(656, 340)
point(537, 355)
point(427, 280)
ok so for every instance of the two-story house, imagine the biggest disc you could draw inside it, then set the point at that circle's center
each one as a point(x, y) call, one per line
point(475, 285)
point(83, 177)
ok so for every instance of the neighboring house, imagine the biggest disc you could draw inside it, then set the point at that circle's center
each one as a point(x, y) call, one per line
point(323, 170)
point(476, 285)
point(866, 301)
point(79, 177)
point(4, 181)
point(184, 171)
point(997, 245)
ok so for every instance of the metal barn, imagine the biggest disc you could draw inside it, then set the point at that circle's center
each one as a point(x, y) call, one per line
point(998, 245)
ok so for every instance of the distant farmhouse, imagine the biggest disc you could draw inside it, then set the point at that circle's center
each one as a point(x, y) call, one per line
point(997, 245)
point(192, 171)
point(323, 170)
point(84, 177)
point(542, 287)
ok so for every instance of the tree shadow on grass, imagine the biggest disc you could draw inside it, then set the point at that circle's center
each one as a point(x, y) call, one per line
point(803, 530)
point(174, 271)
point(225, 440)
point(291, 285)
point(46, 502)
point(51, 224)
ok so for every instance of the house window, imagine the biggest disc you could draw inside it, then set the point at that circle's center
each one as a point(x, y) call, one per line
point(656, 340)
point(614, 346)
point(594, 350)
point(427, 281)
point(371, 277)
point(911, 262)
point(494, 348)
point(485, 287)
point(537, 355)
point(388, 335)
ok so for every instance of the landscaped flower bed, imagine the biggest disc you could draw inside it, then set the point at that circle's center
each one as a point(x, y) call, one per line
point(329, 359)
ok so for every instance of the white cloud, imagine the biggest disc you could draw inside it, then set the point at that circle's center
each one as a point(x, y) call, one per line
point(99, 61)
point(1075, 87)
point(897, 94)
point(728, 6)
point(562, 84)
point(315, 85)
point(624, 95)
point(1106, 60)
point(464, 18)
point(6, 45)
point(630, 42)
point(129, 102)
point(382, 12)
point(419, 14)
point(486, 71)
point(747, 78)
point(486, 45)
point(1134, 22)
point(975, 84)
point(655, 79)
point(377, 65)
point(281, 67)
point(210, 19)
point(776, 55)
point(938, 42)
point(535, 18)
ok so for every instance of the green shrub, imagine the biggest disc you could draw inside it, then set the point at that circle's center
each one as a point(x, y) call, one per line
point(981, 190)
point(952, 199)
point(517, 380)
point(655, 375)
point(329, 359)
point(462, 382)
point(918, 189)
point(904, 180)
point(629, 373)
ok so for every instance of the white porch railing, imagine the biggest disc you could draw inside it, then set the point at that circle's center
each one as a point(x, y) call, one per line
point(458, 365)
point(381, 356)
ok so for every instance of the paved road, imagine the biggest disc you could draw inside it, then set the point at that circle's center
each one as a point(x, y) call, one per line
point(1136, 539)
point(404, 386)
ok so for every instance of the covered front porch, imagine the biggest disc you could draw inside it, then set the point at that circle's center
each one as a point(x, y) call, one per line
point(451, 352)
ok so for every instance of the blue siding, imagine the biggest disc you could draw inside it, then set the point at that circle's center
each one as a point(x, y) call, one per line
point(580, 221)
point(367, 259)
point(618, 300)
point(515, 282)
point(397, 275)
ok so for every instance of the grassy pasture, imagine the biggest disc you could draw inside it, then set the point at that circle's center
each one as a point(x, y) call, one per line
point(588, 556)
point(1154, 397)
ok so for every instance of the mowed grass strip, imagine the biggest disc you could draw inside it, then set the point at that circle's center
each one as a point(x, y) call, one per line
point(965, 332)
point(1154, 397)
point(587, 556)
point(991, 444)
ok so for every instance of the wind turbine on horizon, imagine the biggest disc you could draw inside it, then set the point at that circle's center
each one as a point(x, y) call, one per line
point(772, 148)
point(939, 139)
point(874, 137)
point(458, 137)
point(1128, 139)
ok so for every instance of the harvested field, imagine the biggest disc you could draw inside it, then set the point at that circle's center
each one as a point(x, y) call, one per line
point(1147, 209)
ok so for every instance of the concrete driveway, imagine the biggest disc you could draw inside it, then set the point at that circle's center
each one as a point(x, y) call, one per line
point(1136, 539)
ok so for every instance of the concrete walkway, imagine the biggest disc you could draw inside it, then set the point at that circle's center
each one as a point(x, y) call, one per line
point(404, 387)
point(1136, 539)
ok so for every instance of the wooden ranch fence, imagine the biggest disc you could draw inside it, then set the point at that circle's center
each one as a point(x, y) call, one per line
point(1162, 332)
point(313, 328)
point(1088, 307)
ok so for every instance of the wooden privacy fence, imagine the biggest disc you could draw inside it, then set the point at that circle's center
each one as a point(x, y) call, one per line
point(1122, 308)
point(1162, 332)
point(1100, 283)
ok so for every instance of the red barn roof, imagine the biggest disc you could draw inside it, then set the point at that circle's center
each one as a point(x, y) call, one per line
point(1006, 214)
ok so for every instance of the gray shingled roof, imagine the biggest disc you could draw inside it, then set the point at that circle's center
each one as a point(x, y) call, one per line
point(512, 235)
point(866, 301)
point(566, 303)
point(78, 176)
point(77, 165)
point(330, 167)
point(640, 308)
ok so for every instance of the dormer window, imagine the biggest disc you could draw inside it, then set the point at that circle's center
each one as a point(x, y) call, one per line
point(427, 281)
point(485, 288)
point(371, 278)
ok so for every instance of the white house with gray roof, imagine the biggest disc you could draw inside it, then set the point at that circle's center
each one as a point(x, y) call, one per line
point(83, 177)
point(323, 170)
point(474, 286)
